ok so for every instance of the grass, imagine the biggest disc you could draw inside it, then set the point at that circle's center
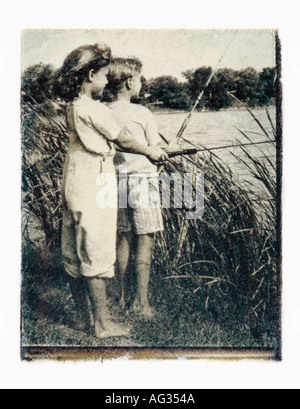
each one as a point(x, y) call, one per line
point(48, 315)
point(215, 281)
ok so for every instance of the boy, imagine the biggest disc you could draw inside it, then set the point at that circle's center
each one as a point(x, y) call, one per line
point(142, 218)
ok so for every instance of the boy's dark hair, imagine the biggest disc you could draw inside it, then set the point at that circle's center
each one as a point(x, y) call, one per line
point(122, 69)
point(77, 66)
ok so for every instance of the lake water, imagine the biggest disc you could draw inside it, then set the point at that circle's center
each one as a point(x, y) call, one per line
point(216, 129)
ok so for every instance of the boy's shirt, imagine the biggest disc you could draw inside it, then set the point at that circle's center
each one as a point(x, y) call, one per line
point(138, 122)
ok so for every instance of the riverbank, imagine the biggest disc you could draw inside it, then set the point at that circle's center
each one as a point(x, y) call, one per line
point(158, 110)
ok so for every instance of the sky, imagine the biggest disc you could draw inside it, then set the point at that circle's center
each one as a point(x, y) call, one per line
point(163, 52)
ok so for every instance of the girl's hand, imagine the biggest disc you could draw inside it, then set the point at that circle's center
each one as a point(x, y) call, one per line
point(157, 154)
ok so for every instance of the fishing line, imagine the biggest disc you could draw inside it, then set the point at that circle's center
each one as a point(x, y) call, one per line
point(188, 118)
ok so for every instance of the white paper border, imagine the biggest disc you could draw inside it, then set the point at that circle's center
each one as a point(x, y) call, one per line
point(143, 14)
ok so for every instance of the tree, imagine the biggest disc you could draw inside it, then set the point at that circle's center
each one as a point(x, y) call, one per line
point(247, 87)
point(196, 82)
point(223, 81)
point(266, 84)
point(215, 96)
point(170, 91)
point(37, 83)
point(188, 75)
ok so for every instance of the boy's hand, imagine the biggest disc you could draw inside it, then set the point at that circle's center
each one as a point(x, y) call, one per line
point(172, 147)
point(157, 154)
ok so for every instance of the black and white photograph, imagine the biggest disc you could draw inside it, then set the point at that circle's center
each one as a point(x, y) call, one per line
point(151, 192)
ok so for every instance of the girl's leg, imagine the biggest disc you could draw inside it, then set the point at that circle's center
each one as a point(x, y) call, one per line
point(145, 245)
point(123, 262)
point(104, 327)
point(78, 289)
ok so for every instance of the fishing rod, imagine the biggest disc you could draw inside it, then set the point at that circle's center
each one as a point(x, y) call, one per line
point(188, 118)
point(195, 151)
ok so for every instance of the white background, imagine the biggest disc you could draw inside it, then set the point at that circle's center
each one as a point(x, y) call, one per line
point(16, 15)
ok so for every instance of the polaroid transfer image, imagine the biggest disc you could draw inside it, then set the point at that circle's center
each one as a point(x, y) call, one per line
point(151, 194)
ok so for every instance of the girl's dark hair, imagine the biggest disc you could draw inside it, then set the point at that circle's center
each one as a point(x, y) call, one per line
point(120, 70)
point(77, 66)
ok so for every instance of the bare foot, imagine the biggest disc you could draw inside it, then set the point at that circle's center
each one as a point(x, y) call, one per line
point(144, 311)
point(81, 323)
point(111, 329)
point(81, 326)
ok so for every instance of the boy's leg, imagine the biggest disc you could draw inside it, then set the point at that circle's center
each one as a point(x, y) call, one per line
point(79, 293)
point(123, 261)
point(104, 326)
point(145, 244)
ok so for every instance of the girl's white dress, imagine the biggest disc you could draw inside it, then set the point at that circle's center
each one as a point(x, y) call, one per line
point(90, 191)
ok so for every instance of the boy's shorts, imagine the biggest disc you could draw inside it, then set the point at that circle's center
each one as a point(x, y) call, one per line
point(143, 212)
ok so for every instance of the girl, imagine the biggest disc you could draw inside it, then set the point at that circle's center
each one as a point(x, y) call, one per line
point(89, 230)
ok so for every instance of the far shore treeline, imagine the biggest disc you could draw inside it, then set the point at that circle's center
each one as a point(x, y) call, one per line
point(253, 88)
